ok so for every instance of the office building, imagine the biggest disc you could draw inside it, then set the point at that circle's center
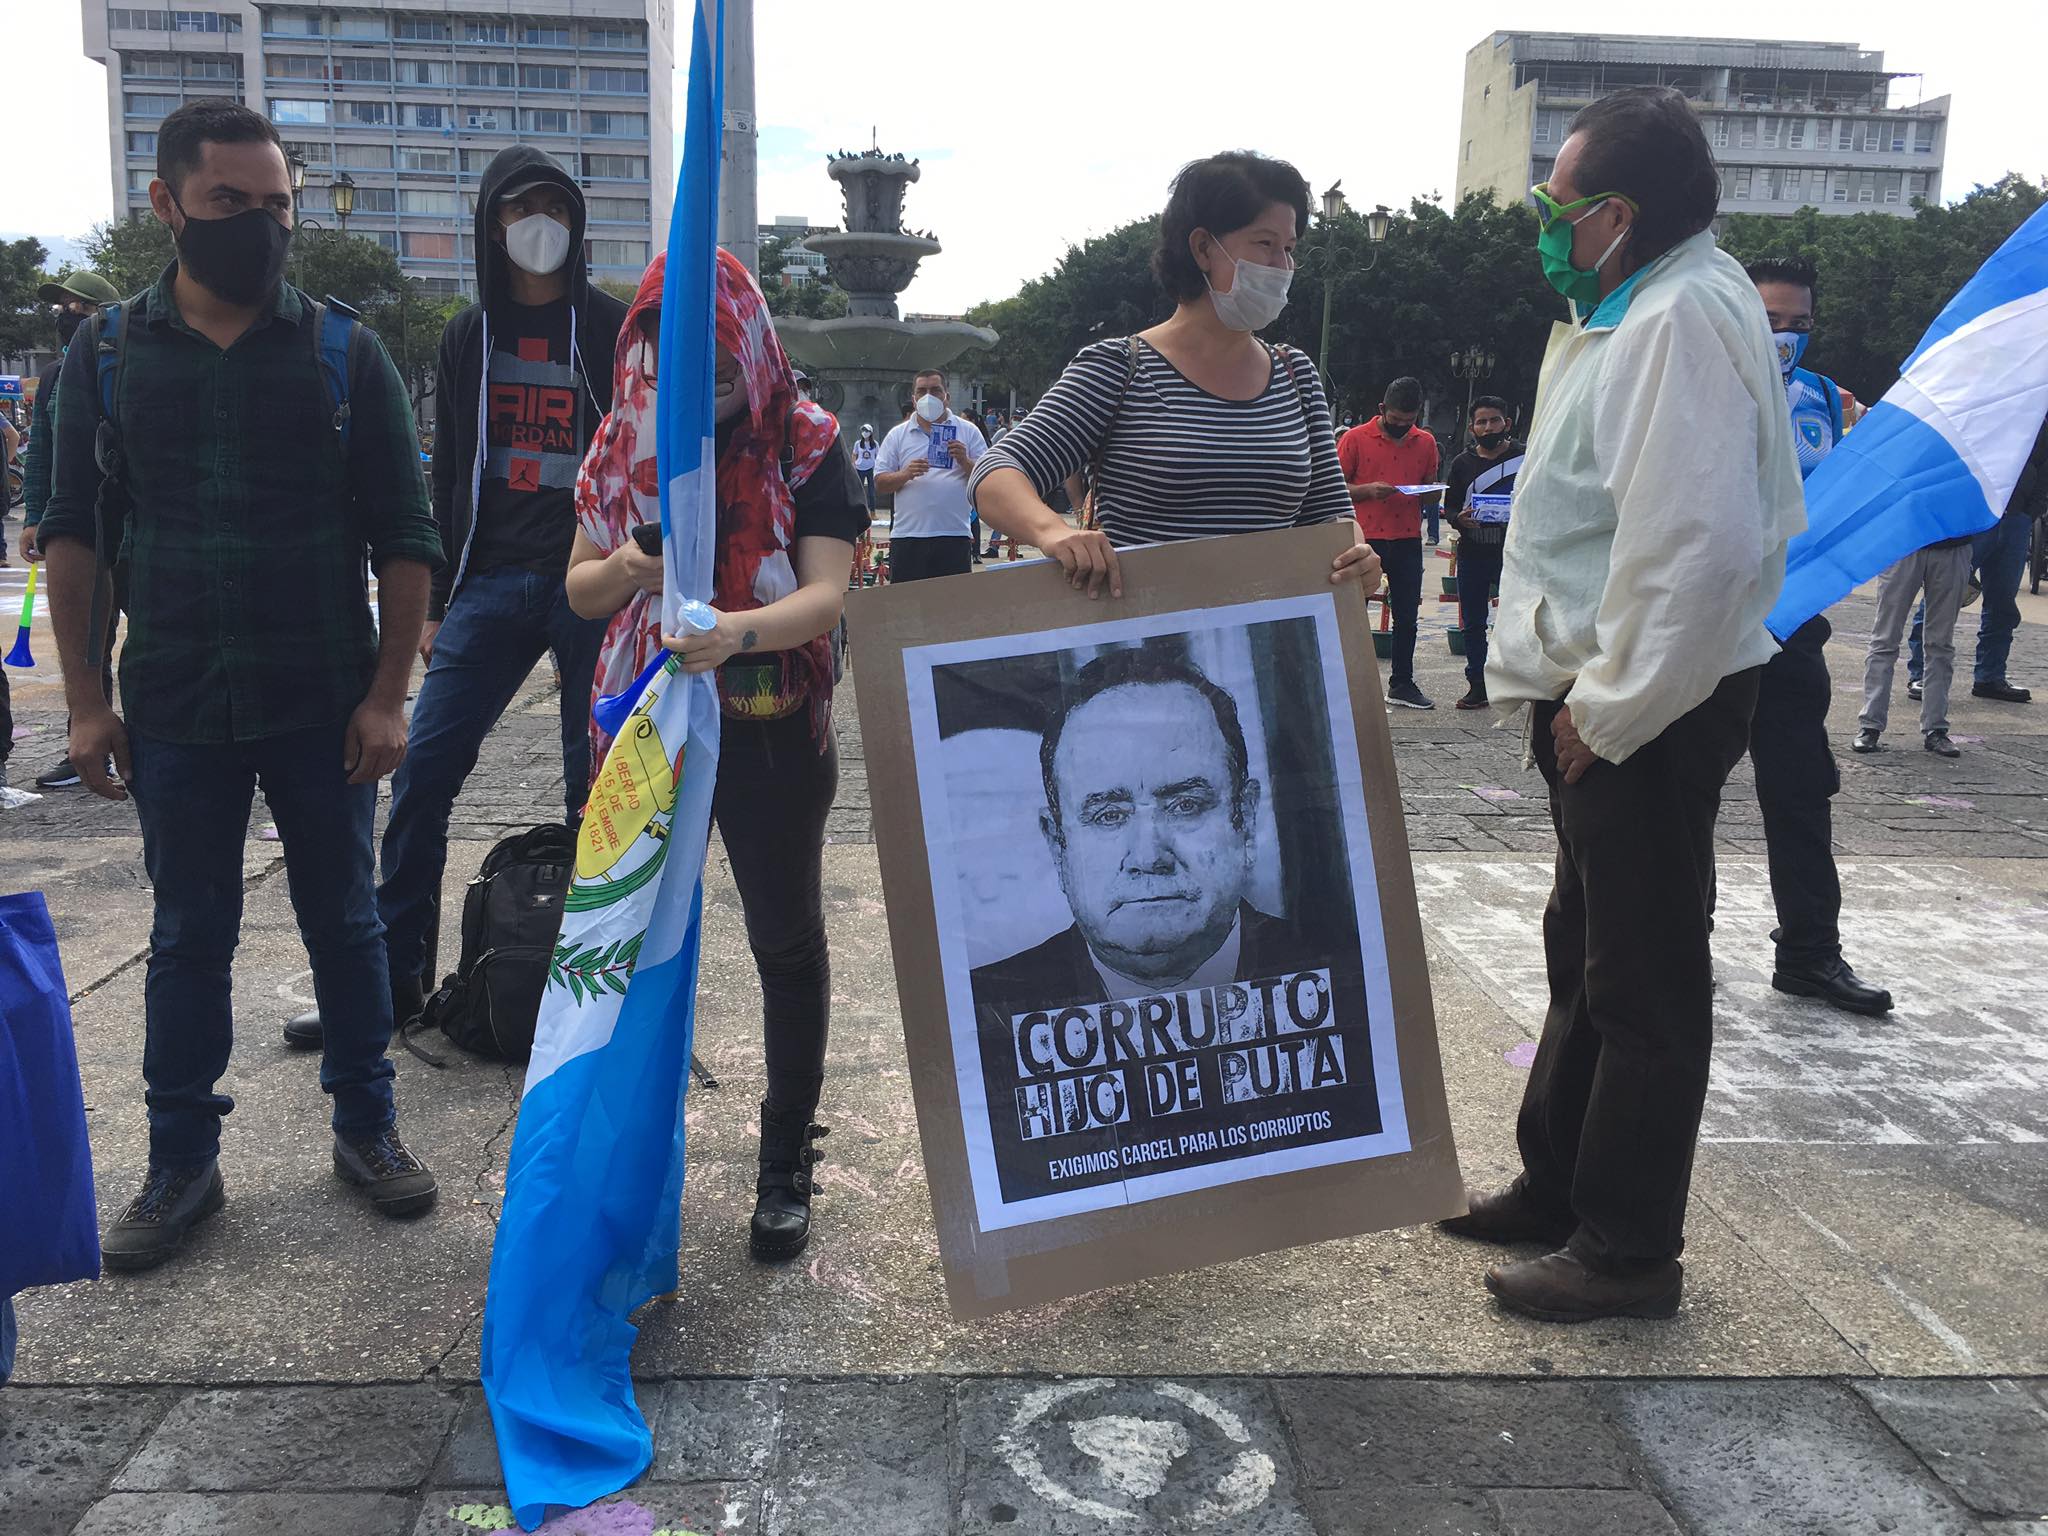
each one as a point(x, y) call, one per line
point(410, 99)
point(1793, 125)
point(800, 265)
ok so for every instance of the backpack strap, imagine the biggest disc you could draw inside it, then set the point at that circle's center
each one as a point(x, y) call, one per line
point(1116, 410)
point(111, 356)
point(1833, 391)
point(1287, 355)
point(334, 330)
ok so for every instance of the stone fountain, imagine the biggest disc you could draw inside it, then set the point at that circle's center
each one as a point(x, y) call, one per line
point(861, 364)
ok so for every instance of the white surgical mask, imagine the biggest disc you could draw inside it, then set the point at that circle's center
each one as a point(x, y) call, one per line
point(931, 408)
point(537, 244)
point(1257, 295)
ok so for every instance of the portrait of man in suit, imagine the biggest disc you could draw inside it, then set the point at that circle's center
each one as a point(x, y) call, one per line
point(1151, 815)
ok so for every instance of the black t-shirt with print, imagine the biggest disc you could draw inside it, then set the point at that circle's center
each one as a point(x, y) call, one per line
point(537, 424)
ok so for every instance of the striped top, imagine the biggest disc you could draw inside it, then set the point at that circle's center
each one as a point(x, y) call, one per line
point(1181, 463)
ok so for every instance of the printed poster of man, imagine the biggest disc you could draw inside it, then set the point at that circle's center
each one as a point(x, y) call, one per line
point(1164, 996)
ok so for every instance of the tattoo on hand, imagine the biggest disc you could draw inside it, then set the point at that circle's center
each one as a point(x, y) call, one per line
point(747, 640)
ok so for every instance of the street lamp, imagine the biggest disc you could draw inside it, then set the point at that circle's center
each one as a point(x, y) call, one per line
point(344, 199)
point(1334, 208)
point(1472, 365)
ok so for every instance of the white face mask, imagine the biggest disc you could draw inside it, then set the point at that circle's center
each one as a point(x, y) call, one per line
point(537, 244)
point(931, 408)
point(1258, 293)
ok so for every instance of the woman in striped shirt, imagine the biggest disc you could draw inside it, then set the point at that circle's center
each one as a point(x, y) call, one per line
point(1194, 427)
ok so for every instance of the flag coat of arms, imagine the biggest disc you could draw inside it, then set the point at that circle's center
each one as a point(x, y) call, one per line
point(593, 1187)
point(1939, 455)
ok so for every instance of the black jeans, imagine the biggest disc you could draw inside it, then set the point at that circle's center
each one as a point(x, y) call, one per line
point(913, 559)
point(1795, 778)
point(1478, 574)
point(1612, 1111)
point(1402, 561)
point(774, 790)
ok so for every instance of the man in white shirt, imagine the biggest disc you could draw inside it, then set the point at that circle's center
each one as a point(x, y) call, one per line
point(924, 463)
point(1658, 493)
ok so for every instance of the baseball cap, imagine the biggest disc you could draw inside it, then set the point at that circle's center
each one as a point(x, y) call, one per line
point(87, 285)
point(546, 178)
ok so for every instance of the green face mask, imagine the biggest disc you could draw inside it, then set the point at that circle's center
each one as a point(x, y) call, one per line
point(1554, 245)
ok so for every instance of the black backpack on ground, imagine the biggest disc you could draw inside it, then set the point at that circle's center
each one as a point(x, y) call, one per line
point(511, 918)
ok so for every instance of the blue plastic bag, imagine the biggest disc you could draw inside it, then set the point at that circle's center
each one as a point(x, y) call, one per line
point(46, 1199)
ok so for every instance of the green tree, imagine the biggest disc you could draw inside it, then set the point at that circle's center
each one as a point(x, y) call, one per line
point(130, 253)
point(819, 299)
point(1883, 279)
point(25, 321)
point(1103, 287)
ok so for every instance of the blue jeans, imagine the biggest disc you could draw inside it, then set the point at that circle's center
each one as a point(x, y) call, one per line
point(193, 802)
point(500, 623)
point(1434, 512)
point(1999, 554)
point(1402, 561)
point(1478, 574)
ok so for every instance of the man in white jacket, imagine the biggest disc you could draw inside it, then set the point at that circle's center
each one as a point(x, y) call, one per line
point(1659, 492)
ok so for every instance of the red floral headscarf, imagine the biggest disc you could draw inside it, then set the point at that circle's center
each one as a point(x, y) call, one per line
point(776, 446)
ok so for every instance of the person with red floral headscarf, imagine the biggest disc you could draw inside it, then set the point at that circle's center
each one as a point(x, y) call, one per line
point(790, 510)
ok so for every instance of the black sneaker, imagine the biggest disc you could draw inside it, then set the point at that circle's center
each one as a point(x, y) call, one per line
point(2002, 691)
point(173, 1201)
point(1475, 697)
point(394, 1181)
point(63, 776)
point(1914, 688)
point(1866, 741)
point(1408, 696)
point(1939, 744)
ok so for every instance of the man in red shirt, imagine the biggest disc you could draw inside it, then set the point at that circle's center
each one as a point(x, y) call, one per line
point(1387, 452)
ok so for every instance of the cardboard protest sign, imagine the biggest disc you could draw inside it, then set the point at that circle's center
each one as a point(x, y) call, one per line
point(1155, 933)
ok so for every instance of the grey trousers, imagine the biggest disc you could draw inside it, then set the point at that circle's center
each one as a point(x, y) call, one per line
point(1945, 576)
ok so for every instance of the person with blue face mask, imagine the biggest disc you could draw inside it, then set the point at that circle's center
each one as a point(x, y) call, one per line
point(1657, 495)
point(1796, 775)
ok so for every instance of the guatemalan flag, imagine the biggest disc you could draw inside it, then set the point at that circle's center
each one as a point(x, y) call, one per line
point(1938, 456)
point(593, 1190)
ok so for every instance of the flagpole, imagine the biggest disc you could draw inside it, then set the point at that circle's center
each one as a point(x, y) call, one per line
point(739, 219)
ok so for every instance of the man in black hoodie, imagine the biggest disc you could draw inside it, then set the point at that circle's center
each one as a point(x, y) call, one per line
point(525, 376)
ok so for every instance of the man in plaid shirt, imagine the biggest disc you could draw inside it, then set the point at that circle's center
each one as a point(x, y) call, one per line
point(251, 654)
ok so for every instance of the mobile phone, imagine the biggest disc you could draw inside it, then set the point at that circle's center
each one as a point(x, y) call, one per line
point(648, 537)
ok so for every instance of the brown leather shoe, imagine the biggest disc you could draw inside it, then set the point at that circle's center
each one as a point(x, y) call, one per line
point(1510, 1216)
point(1558, 1288)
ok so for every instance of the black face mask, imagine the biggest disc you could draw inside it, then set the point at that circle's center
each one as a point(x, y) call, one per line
point(239, 259)
point(68, 322)
point(1489, 440)
point(1396, 433)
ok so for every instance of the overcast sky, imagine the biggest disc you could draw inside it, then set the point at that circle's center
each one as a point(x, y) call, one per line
point(1050, 122)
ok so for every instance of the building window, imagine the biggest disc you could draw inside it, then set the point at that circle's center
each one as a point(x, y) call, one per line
point(1739, 177)
point(140, 178)
point(1790, 187)
point(1468, 151)
point(547, 120)
point(415, 200)
point(369, 114)
point(424, 72)
point(616, 167)
point(1838, 186)
point(151, 66)
point(476, 160)
point(486, 32)
point(614, 37)
point(357, 157)
point(545, 34)
point(357, 25)
point(383, 237)
point(1916, 184)
point(294, 66)
point(618, 253)
point(440, 160)
point(1795, 134)
point(487, 74)
point(419, 29)
point(618, 210)
point(1773, 130)
point(424, 245)
point(422, 115)
point(296, 24)
point(1845, 132)
point(1746, 134)
point(138, 105)
point(1717, 132)
point(1923, 138)
point(547, 77)
point(373, 71)
point(621, 80)
point(145, 144)
point(311, 153)
point(628, 125)
point(1866, 186)
point(1891, 185)
point(204, 21)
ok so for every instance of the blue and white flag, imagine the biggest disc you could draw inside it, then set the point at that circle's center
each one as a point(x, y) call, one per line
point(1939, 455)
point(593, 1188)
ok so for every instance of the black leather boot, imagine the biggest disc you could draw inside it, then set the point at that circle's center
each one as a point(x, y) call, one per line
point(782, 1207)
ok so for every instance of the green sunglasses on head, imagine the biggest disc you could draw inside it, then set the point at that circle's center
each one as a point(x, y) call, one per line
point(1549, 210)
